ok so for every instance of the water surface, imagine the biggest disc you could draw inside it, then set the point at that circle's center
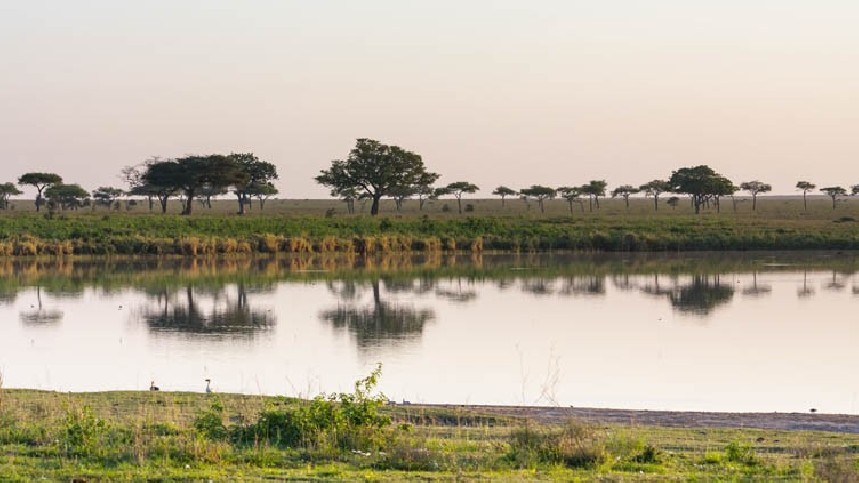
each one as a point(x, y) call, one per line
point(756, 332)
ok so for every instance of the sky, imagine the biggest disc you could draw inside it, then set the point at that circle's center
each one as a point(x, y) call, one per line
point(496, 92)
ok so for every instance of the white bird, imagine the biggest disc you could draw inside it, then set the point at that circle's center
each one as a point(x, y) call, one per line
point(208, 386)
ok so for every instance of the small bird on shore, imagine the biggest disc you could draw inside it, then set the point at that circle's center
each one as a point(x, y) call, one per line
point(153, 387)
point(208, 386)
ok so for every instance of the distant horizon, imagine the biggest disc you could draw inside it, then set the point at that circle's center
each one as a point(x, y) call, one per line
point(552, 93)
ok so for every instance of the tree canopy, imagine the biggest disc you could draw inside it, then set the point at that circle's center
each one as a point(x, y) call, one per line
point(375, 168)
point(701, 183)
point(459, 188)
point(755, 188)
point(834, 192)
point(65, 196)
point(504, 192)
point(40, 181)
point(191, 174)
point(539, 193)
point(7, 190)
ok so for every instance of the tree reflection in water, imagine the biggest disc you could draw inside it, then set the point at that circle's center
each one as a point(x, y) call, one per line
point(805, 291)
point(757, 290)
point(38, 314)
point(700, 297)
point(382, 323)
point(183, 311)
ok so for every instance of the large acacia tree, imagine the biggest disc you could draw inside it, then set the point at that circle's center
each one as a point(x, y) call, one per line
point(376, 169)
point(192, 173)
point(40, 181)
point(699, 182)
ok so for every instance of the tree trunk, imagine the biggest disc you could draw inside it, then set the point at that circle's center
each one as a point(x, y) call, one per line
point(804, 201)
point(754, 202)
point(697, 203)
point(163, 201)
point(241, 198)
point(374, 208)
point(655, 203)
point(459, 203)
point(502, 202)
point(189, 202)
point(541, 206)
point(833, 202)
point(151, 202)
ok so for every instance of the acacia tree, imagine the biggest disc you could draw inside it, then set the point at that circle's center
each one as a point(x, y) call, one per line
point(539, 193)
point(374, 168)
point(7, 190)
point(459, 188)
point(106, 195)
point(834, 192)
point(755, 188)
point(257, 177)
point(401, 193)
point(572, 195)
point(262, 192)
point(805, 186)
point(698, 182)
point(655, 188)
point(191, 174)
point(423, 188)
point(504, 192)
point(594, 189)
point(65, 196)
point(854, 190)
point(348, 196)
point(673, 202)
point(40, 181)
point(625, 192)
point(719, 187)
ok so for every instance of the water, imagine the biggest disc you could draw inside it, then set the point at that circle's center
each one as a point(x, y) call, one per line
point(758, 332)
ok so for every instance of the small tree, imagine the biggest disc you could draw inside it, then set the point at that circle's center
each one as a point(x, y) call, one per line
point(347, 196)
point(459, 188)
point(401, 193)
point(262, 192)
point(854, 190)
point(504, 192)
point(572, 195)
point(40, 181)
point(805, 186)
point(755, 188)
point(106, 196)
point(655, 188)
point(625, 192)
point(539, 193)
point(65, 196)
point(7, 190)
point(834, 192)
point(594, 189)
point(673, 202)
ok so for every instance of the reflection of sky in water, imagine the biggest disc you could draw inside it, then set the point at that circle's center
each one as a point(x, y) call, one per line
point(765, 341)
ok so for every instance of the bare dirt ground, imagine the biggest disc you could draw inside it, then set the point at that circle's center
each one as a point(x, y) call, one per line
point(673, 419)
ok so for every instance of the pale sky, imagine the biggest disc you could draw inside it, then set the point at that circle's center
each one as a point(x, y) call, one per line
point(553, 92)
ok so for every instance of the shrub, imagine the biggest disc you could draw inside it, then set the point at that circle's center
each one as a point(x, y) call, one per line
point(575, 445)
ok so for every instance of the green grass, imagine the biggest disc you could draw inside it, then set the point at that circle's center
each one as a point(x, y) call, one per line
point(123, 435)
point(779, 224)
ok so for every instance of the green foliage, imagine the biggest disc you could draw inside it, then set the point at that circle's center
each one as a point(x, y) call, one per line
point(84, 432)
point(736, 452)
point(335, 422)
point(210, 422)
point(377, 170)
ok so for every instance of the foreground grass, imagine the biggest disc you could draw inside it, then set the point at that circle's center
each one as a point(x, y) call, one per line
point(119, 435)
point(24, 234)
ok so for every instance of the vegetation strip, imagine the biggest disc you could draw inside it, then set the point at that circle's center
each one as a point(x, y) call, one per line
point(358, 435)
point(29, 235)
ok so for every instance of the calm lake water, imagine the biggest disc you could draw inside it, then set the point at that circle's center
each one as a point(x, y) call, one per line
point(716, 332)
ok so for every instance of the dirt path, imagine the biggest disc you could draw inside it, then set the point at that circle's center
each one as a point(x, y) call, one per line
point(788, 421)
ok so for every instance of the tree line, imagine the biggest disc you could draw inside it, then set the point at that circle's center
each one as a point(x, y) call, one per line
point(372, 171)
point(189, 178)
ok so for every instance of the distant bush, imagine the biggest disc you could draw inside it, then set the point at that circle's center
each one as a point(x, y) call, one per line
point(575, 445)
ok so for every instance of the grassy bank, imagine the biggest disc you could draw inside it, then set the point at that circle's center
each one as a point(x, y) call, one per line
point(134, 234)
point(121, 435)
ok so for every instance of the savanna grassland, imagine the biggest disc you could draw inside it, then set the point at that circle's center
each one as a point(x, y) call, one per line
point(121, 435)
point(320, 226)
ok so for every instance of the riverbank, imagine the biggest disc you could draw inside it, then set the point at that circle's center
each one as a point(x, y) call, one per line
point(117, 435)
point(208, 235)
